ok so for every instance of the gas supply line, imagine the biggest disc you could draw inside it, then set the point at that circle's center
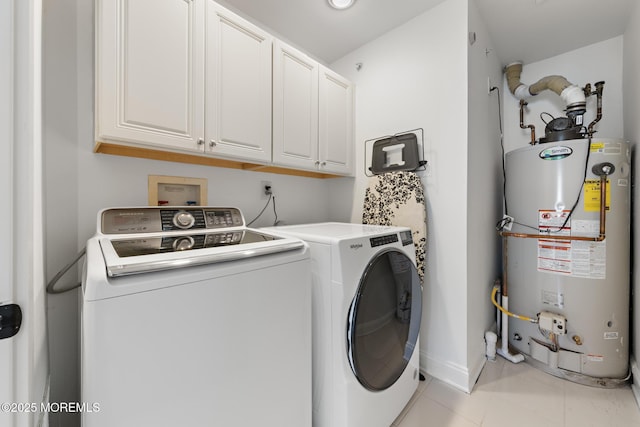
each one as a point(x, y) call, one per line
point(507, 312)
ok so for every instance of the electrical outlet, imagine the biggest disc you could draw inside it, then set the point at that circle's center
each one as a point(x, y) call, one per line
point(489, 85)
point(266, 189)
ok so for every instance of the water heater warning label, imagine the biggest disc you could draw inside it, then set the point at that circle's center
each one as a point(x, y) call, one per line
point(569, 257)
point(592, 195)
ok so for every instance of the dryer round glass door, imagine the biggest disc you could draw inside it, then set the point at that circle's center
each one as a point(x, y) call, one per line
point(384, 320)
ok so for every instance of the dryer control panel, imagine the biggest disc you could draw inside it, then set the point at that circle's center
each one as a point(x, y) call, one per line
point(405, 237)
point(162, 219)
point(383, 240)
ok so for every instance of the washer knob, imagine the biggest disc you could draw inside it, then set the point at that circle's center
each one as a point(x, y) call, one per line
point(183, 219)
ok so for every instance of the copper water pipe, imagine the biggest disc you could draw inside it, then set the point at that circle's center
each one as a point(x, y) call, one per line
point(601, 236)
point(523, 103)
point(505, 259)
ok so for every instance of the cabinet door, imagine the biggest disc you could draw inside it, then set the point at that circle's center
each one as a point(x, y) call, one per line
point(335, 123)
point(149, 79)
point(238, 87)
point(295, 108)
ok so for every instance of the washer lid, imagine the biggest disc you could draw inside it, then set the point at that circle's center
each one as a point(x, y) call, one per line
point(165, 251)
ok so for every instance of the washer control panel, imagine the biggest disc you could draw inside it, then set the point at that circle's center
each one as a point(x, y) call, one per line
point(162, 219)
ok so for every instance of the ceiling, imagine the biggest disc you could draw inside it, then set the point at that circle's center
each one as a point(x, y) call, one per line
point(531, 30)
point(524, 30)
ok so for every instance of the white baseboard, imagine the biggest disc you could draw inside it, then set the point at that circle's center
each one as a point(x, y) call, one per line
point(476, 367)
point(453, 374)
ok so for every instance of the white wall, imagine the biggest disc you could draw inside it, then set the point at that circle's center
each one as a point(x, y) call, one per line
point(484, 192)
point(60, 136)
point(416, 77)
point(119, 181)
point(79, 182)
point(590, 64)
point(631, 92)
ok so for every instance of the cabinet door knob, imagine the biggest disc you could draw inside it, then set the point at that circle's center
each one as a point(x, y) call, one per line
point(200, 141)
point(323, 164)
point(317, 162)
point(212, 143)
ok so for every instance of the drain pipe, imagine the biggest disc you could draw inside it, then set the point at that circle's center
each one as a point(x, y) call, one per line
point(572, 95)
point(504, 348)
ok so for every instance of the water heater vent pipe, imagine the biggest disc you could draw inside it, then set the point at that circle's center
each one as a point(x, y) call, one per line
point(572, 95)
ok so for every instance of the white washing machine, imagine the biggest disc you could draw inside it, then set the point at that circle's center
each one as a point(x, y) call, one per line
point(367, 304)
point(191, 319)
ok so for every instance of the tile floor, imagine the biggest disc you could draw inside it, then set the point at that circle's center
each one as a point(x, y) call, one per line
point(508, 395)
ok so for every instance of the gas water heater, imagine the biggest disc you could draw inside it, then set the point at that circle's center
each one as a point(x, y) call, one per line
point(566, 244)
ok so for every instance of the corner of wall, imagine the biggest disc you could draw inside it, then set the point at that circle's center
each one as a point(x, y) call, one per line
point(631, 67)
point(461, 377)
point(484, 189)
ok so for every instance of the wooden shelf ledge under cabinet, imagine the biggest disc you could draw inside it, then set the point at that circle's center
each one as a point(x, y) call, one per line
point(168, 156)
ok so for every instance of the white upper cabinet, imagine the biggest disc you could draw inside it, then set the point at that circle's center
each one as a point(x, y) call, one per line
point(335, 123)
point(312, 114)
point(295, 108)
point(189, 76)
point(183, 74)
point(238, 87)
point(149, 72)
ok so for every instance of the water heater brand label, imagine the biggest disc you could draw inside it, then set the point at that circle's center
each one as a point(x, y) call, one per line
point(555, 153)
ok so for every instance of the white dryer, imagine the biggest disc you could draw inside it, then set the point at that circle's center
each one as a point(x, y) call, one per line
point(367, 304)
point(191, 319)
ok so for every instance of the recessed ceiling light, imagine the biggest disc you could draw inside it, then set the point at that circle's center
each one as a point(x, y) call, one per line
point(341, 4)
